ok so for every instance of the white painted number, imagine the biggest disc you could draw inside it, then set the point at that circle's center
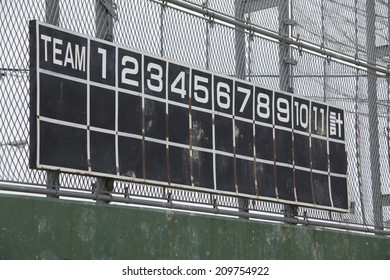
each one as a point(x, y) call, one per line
point(103, 52)
point(301, 114)
point(180, 79)
point(198, 88)
point(263, 106)
point(246, 98)
point(223, 97)
point(155, 77)
point(322, 112)
point(129, 71)
point(282, 106)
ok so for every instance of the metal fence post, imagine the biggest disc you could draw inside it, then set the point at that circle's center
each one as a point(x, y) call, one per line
point(239, 13)
point(373, 116)
point(105, 14)
point(52, 17)
point(284, 49)
point(285, 62)
point(240, 59)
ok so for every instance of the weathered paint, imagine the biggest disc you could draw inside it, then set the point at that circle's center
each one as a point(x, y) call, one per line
point(46, 228)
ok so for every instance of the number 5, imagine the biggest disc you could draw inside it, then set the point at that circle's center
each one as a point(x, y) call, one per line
point(201, 88)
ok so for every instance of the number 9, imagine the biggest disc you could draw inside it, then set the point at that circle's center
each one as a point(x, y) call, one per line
point(282, 106)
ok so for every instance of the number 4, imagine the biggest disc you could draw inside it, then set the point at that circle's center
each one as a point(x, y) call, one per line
point(180, 79)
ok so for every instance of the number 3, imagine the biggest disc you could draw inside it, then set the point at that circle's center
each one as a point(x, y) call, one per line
point(156, 77)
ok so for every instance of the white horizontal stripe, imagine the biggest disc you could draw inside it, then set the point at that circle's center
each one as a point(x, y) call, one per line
point(102, 130)
point(64, 123)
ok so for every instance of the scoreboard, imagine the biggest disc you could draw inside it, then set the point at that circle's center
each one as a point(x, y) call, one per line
point(101, 109)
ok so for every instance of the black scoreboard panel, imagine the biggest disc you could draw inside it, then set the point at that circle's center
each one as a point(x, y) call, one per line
point(101, 109)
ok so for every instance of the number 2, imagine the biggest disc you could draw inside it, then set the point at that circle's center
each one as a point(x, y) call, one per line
point(130, 71)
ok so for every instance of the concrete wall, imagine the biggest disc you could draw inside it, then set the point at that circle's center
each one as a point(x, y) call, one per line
point(43, 228)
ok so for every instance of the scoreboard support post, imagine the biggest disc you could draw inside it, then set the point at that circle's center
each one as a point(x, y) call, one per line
point(52, 17)
point(373, 118)
point(240, 9)
point(285, 71)
point(104, 30)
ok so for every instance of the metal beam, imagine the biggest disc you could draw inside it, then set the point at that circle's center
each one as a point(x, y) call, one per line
point(105, 15)
point(373, 117)
point(385, 199)
point(294, 42)
point(52, 12)
point(383, 51)
point(259, 5)
point(240, 57)
point(53, 17)
point(239, 12)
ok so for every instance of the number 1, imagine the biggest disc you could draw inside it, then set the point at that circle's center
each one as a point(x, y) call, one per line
point(103, 52)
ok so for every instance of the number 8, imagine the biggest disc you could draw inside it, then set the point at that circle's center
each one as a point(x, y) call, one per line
point(261, 106)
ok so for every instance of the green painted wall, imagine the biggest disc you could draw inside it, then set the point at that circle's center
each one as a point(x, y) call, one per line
point(40, 228)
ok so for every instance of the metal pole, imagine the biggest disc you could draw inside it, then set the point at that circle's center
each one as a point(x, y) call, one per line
point(284, 49)
point(240, 59)
point(373, 116)
point(285, 76)
point(299, 44)
point(162, 17)
point(357, 123)
point(52, 12)
point(52, 17)
point(104, 30)
point(323, 45)
point(206, 5)
point(104, 19)
point(388, 86)
point(239, 12)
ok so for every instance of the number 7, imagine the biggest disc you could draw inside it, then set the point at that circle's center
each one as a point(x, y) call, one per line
point(247, 95)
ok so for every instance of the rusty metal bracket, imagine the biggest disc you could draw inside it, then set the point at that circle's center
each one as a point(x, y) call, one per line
point(290, 60)
point(290, 22)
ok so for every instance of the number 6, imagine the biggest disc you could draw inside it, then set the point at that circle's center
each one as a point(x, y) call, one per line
point(223, 95)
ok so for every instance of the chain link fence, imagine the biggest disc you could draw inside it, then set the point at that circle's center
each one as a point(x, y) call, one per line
point(338, 52)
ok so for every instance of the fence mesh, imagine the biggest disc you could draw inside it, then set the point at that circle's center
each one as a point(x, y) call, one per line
point(183, 34)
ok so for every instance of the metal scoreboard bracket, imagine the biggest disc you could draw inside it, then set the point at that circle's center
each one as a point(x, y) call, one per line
point(101, 109)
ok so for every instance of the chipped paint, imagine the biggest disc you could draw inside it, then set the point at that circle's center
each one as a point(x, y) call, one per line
point(58, 229)
point(86, 225)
